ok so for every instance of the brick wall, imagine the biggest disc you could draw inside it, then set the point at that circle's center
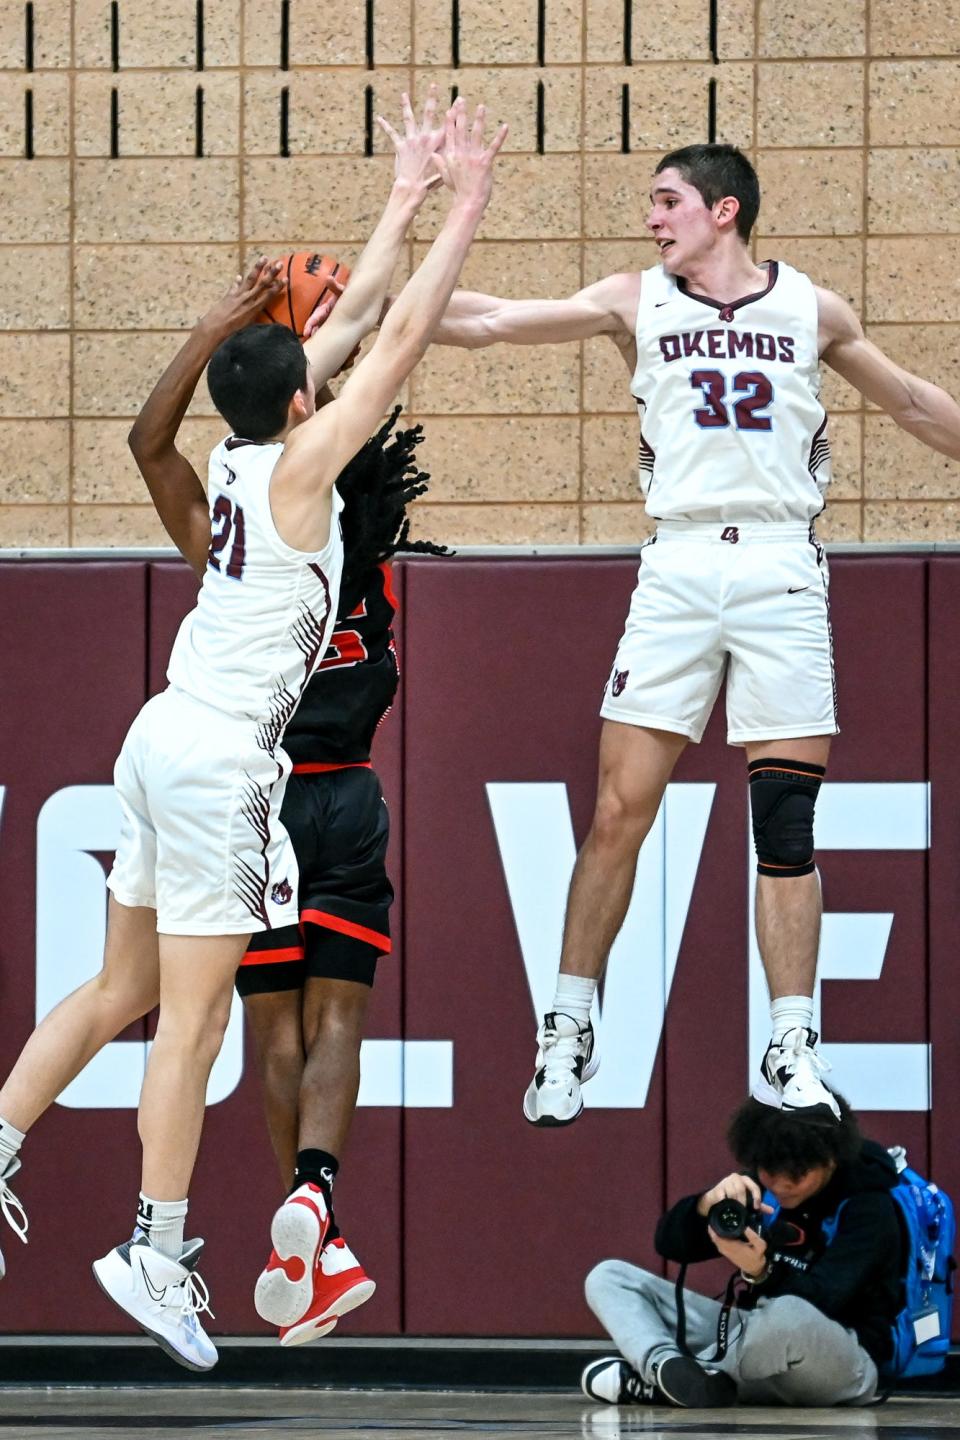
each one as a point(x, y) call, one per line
point(115, 233)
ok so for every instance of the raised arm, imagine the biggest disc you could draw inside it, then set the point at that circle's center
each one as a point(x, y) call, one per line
point(317, 450)
point(175, 487)
point(358, 310)
point(918, 406)
point(608, 307)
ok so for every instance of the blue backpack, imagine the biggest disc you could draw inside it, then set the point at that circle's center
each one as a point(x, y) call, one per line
point(921, 1330)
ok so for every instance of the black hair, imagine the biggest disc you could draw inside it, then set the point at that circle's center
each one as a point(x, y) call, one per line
point(376, 487)
point(252, 377)
point(716, 171)
point(763, 1138)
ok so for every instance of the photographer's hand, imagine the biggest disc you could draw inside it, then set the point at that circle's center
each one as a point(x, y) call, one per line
point(732, 1187)
point(749, 1255)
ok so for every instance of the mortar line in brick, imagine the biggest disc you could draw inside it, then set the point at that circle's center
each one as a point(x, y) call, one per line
point(71, 260)
point(865, 225)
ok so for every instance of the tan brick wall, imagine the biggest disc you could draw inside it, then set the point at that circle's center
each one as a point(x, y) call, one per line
point(851, 112)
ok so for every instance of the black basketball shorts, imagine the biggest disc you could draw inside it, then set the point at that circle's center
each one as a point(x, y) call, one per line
point(339, 825)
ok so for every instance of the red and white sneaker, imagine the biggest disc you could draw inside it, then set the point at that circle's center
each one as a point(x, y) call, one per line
point(339, 1285)
point(285, 1288)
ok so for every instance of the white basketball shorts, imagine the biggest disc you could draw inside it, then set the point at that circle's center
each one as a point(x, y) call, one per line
point(749, 601)
point(201, 840)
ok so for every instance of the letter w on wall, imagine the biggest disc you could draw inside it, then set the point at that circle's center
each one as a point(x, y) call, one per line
point(537, 849)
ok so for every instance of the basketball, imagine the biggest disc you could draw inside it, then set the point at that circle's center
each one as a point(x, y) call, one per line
point(306, 274)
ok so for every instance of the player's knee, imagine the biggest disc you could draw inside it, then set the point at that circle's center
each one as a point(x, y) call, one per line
point(603, 1278)
point(783, 797)
point(622, 818)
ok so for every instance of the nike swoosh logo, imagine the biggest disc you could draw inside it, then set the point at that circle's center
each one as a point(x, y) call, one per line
point(795, 589)
point(156, 1295)
point(660, 303)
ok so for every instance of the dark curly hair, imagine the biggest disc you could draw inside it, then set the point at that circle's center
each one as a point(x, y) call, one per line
point(762, 1138)
point(376, 487)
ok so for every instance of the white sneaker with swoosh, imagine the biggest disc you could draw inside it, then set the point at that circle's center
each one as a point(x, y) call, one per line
point(164, 1296)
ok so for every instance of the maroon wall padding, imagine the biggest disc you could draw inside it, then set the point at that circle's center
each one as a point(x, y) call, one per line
point(236, 1187)
point(505, 667)
point(943, 915)
point(72, 661)
point(472, 1221)
point(880, 625)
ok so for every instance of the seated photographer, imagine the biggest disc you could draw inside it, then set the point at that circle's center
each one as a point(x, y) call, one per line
point(813, 1309)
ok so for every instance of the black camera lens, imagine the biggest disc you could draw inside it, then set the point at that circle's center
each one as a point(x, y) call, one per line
point(730, 1219)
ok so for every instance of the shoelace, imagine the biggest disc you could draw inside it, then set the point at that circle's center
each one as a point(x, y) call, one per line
point(196, 1297)
point(13, 1212)
point(801, 1052)
point(560, 1056)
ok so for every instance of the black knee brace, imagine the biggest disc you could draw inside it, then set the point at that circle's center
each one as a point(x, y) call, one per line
point(783, 794)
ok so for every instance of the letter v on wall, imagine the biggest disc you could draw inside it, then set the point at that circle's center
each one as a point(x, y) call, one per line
point(537, 850)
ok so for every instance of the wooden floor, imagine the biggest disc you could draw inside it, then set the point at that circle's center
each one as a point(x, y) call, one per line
point(155, 1412)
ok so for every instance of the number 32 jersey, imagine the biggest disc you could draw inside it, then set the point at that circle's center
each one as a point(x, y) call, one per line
point(265, 611)
point(731, 424)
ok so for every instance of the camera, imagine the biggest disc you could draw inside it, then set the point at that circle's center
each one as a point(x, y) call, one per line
point(730, 1219)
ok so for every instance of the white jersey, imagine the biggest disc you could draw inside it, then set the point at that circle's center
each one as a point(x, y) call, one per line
point(265, 611)
point(731, 424)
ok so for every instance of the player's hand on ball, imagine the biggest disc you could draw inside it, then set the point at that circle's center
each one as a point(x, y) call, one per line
point(415, 149)
point(466, 160)
point(246, 297)
point(324, 309)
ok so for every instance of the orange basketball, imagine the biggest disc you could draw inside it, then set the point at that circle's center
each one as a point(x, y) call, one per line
point(306, 274)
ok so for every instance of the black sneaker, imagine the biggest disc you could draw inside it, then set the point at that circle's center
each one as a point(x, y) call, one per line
point(617, 1383)
point(687, 1383)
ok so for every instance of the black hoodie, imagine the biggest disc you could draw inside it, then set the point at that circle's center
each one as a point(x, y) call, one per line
point(856, 1280)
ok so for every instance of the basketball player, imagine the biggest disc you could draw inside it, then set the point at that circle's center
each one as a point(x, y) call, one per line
point(734, 465)
point(203, 861)
point(306, 987)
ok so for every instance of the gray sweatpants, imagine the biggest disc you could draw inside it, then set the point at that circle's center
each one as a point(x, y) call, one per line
point(785, 1352)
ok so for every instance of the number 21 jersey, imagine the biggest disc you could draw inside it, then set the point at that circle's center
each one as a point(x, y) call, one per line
point(265, 611)
point(731, 424)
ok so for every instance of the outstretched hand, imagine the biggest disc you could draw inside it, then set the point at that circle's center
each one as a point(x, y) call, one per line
point(415, 149)
point(466, 160)
point(246, 297)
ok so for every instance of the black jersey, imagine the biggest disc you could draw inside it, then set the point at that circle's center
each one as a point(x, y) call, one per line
point(355, 682)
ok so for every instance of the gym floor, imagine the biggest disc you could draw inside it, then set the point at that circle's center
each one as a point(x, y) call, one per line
point(157, 1413)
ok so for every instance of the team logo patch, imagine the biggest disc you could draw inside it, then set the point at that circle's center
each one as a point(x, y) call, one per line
point(281, 892)
point(619, 682)
point(732, 534)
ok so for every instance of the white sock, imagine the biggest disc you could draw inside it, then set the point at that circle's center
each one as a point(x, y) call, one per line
point(10, 1141)
point(574, 997)
point(162, 1222)
point(790, 1012)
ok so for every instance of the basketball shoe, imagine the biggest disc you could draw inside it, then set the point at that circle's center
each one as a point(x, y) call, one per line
point(684, 1382)
point(567, 1057)
point(790, 1078)
point(11, 1208)
point(617, 1383)
point(164, 1296)
point(284, 1290)
point(339, 1286)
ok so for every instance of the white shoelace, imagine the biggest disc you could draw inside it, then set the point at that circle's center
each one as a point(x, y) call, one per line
point(800, 1052)
point(13, 1212)
point(560, 1057)
point(196, 1297)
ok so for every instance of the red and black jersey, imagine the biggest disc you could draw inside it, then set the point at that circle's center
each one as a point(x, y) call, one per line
point(354, 685)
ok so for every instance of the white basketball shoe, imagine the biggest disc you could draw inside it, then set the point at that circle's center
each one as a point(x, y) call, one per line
point(790, 1078)
point(566, 1059)
point(164, 1296)
point(285, 1290)
point(11, 1208)
point(615, 1382)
